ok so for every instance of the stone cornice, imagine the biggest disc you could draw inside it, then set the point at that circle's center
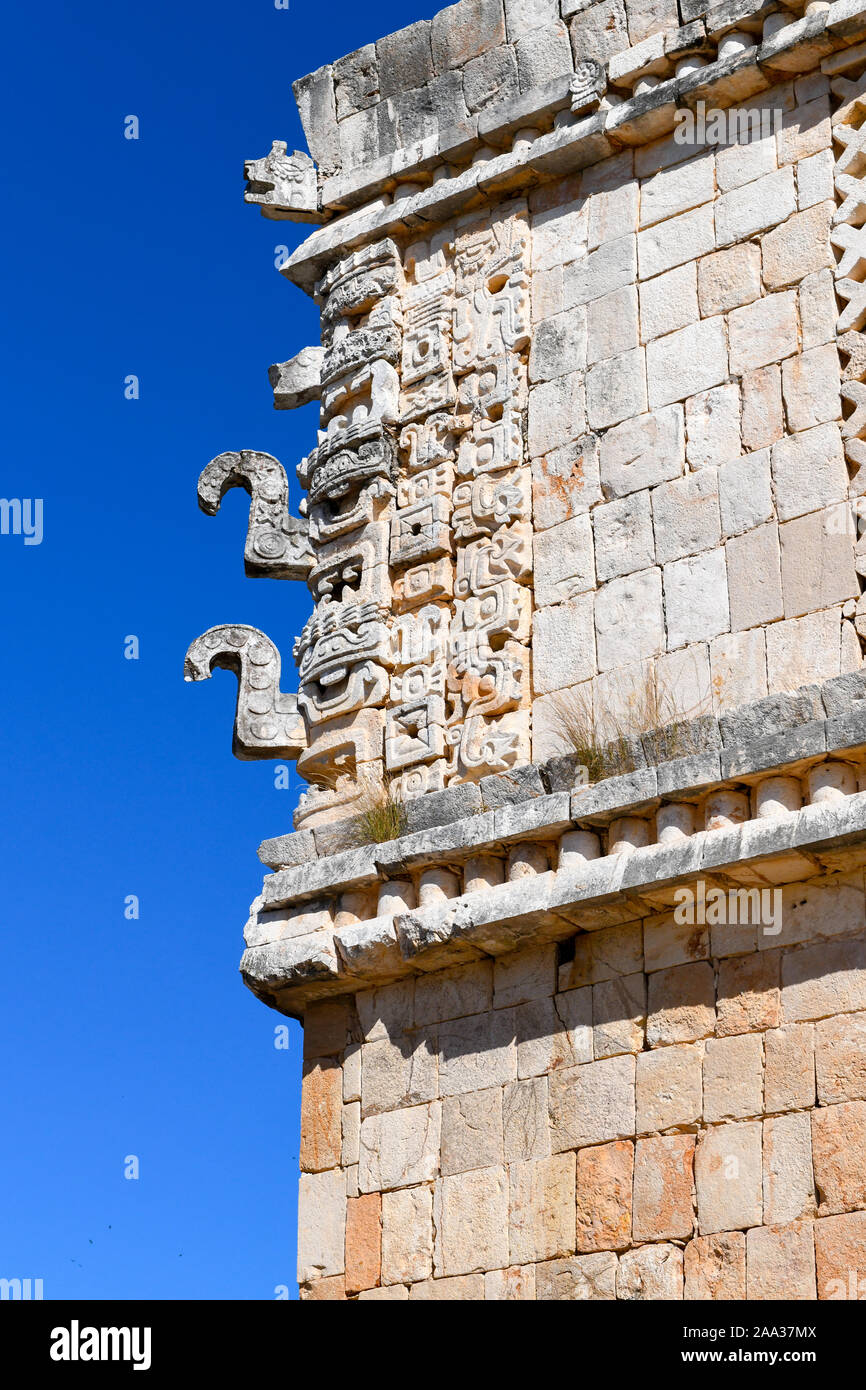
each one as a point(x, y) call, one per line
point(289, 974)
point(789, 52)
point(620, 848)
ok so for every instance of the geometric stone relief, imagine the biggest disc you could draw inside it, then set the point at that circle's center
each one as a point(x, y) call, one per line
point(278, 545)
point(848, 236)
point(267, 722)
point(417, 539)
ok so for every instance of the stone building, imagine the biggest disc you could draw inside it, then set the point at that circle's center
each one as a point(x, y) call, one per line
point(573, 912)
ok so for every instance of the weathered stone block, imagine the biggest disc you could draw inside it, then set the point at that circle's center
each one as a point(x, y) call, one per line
point(464, 30)
point(517, 1283)
point(477, 1052)
point(762, 419)
point(818, 981)
point(754, 577)
point(583, 1277)
point(667, 943)
point(558, 345)
point(748, 994)
point(609, 268)
point(728, 1177)
point(729, 279)
point(800, 247)
point(780, 1264)
point(789, 1067)
point(472, 1131)
point(556, 413)
point(563, 644)
point(399, 1072)
point(407, 1235)
point(386, 1012)
point(763, 332)
point(681, 1004)
point(840, 1058)
point(745, 493)
point(755, 207)
point(598, 32)
point(612, 324)
point(604, 1196)
point(788, 1188)
point(733, 1077)
point(623, 536)
point(321, 1108)
point(602, 955)
point(677, 189)
point(592, 1103)
point(565, 483)
point(454, 993)
point(613, 197)
point(321, 1225)
point(491, 78)
point(525, 1119)
point(668, 1087)
point(461, 1289)
point(617, 389)
point(400, 1149)
point(542, 55)
point(363, 1242)
point(676, 241)
point(555, 1032)
point(405, 59)
point(650, 1272)
point(565, 562)
point(326, 1027)
point(840, 1255)
point(618, 1016)
point(715, 1267)
point(686, 516)
point(693, 359)
point(669, 302)
point(800, 649)
point(628, 619)
point(663, 1182)
point(471, 1217)
point(810, 386)
point(839, 1156)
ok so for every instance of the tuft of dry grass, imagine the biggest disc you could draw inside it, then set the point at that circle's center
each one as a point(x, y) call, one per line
point(604, 743)
point(381, 816)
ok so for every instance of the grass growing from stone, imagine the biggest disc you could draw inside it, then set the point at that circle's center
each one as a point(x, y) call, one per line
point(606, 743)
point(381, 817)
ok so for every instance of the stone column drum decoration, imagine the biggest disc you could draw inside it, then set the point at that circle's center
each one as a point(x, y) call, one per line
point(581, 530)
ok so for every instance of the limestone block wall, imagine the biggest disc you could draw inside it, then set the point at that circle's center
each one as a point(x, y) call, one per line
point(647, 1111)
point(690, 485)
point(584, 434)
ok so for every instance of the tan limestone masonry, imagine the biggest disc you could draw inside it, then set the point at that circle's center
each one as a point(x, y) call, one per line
point(584, 434)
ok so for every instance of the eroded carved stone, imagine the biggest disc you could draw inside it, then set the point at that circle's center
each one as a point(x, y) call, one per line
point(278, 545)
point(415, 662)
point(298, 381)
point(267, 722)
point(283, 185)
point(588, 86)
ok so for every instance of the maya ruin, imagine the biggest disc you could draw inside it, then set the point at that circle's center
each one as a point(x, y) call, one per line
point(573, 908)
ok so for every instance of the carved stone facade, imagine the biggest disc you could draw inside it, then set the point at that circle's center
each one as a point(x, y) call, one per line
point(584, 435)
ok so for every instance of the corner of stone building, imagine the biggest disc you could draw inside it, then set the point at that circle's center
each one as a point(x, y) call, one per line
point(573, 911)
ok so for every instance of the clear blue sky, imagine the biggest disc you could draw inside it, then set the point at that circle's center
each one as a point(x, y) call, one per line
point(120, 1036)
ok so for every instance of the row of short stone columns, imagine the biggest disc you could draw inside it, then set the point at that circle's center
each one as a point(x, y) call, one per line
point(724, 809)
point(730, 45)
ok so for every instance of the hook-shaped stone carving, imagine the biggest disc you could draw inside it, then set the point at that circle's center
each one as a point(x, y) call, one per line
point(278, 545)
point(267, 721)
